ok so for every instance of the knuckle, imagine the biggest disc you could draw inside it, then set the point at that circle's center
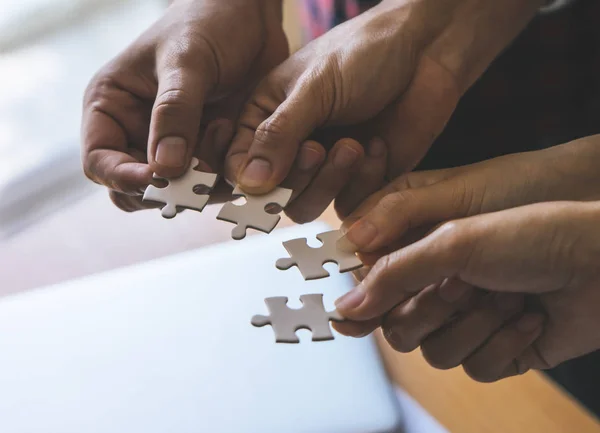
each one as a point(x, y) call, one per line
point(453, 238)
point(394, 201)
point(101, 84)
point(173, 102)
point(272, 131)
point(461, 197)
point(381, 269)
point(402, 183)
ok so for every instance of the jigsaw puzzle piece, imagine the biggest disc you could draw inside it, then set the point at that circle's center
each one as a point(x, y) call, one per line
point(180, 192)
point(310, 261)
point(286, 321)
point(252, 214)
point(346, 261)
point(153, 193)
point(319, 324)
point(307, 259)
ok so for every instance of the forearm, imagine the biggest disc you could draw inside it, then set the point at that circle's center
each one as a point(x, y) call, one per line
point(477, 32)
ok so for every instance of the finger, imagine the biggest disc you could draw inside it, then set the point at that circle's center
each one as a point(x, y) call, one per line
point(214, 144)
point(403, 209)
point(272, 127)
point(407, 325)
point(183, 83)
point(310, 159)
point(414, 180)
point(409, 238)
point(367, 180)
point(501, 356)
point(130, 203)
point(451, 345)
point(105, 157)
point(356, 329)
point(343, 160)
point(402, 274)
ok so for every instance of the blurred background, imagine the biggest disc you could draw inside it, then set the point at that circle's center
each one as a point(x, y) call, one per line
point(45, 67)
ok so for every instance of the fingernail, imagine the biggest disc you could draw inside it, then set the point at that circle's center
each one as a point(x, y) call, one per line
point(257, 173)
point(344, 244)
point(377, 148)
point(361, 234)
point(171, 152)
point(453, 290)
point(509, 302)
point(350, 300)
point(345, 158)
point(530, 322)
point(308, 158)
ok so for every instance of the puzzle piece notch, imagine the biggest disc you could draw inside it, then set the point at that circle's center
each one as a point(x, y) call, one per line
point(180, 191)
point(285, 321)
point(252, 214)
point(310, 260)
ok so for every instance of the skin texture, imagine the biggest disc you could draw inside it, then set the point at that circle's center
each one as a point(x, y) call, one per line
point(178, 91)
point(426, 54)
point(498, 291)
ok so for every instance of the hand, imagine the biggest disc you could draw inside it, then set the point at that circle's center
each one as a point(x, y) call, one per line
point(548, 252)
point(176, 92)
point(413, 205)
point(393, 75)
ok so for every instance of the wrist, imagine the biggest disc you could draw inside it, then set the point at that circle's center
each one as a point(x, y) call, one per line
point(476, 33)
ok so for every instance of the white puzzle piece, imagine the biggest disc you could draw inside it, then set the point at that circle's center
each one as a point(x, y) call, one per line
point(180, 192)
point(310, 261)
point(285, 321)
point(252, 214)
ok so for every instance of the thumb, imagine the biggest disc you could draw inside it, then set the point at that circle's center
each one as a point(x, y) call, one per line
point(526, 249)
point(272, 127)
point(402, 209)
point(402, 274)
point(177, 113)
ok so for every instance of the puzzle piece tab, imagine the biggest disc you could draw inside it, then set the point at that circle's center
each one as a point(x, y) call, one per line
point(310, 261)
point(252, 214)
point(285, 321)
point(180, 192)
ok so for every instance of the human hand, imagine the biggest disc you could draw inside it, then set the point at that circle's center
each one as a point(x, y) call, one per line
point(391, 76)
point(411, 206)
point(548, 252)
point(414, 203)
point(176, 93)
